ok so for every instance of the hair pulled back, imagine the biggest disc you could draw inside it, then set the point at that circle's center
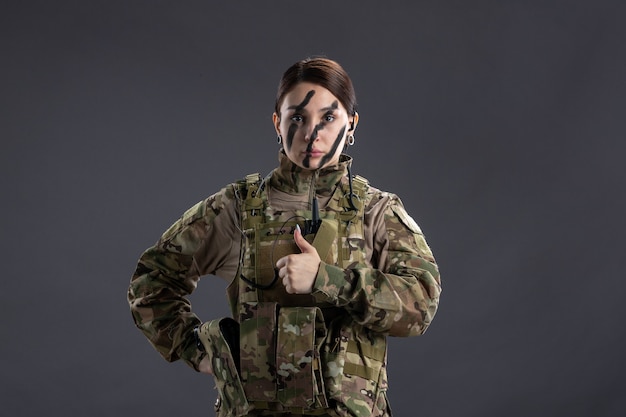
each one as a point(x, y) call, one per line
point(321, 71)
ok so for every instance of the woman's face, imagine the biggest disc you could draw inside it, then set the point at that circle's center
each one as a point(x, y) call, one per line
point(313, 124)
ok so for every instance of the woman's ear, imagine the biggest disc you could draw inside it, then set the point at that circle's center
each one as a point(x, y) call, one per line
point(276, 121)
point(354, 122)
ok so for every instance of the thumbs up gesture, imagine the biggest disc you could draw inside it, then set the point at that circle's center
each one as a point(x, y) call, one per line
point(298, 271)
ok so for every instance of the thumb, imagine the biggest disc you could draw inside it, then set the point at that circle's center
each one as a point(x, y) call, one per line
point(305, 247)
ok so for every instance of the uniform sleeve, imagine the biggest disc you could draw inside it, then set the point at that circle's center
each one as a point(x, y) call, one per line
point(169, 271)
point(399, 296)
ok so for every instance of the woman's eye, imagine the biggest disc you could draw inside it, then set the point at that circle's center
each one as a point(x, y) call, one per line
point(296, 118)
point(329, 118)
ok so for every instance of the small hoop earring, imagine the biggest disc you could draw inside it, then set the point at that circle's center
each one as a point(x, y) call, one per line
point(279, 139)
point(350, 140)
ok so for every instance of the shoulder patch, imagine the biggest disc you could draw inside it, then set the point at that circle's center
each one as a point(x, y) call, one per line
point(406, 220)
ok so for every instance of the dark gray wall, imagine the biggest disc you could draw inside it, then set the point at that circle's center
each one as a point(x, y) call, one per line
point(499, 123)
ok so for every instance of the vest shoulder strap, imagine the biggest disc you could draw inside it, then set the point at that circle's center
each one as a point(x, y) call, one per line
point(360, 182)
point(360, 186)
point(250, 200)
point(249, 182)
point(353, 200)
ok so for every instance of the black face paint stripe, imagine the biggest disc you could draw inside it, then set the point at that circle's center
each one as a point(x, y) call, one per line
point(290, 134)
point(314, 134)
point(304, 103)
point(330, 154)
point(320, 126)
point(294, 127)
point(307, 159)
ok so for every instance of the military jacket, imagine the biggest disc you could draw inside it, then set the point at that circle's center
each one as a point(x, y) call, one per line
point(391, 288)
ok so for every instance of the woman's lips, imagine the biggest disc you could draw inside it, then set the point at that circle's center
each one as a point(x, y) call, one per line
point(314, 153)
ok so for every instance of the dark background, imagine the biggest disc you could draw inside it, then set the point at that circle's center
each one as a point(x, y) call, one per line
point(500, 124)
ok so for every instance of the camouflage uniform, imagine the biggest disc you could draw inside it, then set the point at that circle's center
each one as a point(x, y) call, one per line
point(377, 278)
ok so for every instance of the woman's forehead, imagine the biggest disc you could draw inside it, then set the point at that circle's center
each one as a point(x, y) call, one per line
point(307, 95)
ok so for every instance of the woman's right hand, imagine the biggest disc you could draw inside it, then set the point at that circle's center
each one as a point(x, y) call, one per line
point(205, 366)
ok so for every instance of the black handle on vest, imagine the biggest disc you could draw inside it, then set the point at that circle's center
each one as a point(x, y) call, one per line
point(312, 226)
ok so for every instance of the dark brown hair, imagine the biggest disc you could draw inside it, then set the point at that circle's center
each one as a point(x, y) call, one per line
point(321, 71)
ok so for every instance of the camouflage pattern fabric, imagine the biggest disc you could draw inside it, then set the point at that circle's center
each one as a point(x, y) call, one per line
point(378, 278)
point(258, 351)
point(232, 401)
point(300, 332)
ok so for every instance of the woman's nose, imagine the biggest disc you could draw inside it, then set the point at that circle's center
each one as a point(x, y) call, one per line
point(311, 132)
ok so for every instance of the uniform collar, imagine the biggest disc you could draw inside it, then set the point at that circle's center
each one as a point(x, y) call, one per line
point(291, 178)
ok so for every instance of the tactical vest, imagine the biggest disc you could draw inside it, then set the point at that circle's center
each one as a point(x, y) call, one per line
point(293, 354)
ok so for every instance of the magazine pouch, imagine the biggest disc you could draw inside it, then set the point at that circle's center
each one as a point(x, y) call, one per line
point(300, 334)
point(258, 350)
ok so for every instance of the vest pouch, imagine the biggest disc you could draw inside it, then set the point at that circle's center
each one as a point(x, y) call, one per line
point(355, 368)
point(219, 338)
point(325, 241)
point(273, 241)
point(257, 350)
point(300, 334)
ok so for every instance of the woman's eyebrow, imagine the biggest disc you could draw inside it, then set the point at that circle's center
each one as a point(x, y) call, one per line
point(330, 108)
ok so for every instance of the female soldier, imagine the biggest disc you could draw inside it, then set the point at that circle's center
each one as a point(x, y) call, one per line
point(321, 266)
